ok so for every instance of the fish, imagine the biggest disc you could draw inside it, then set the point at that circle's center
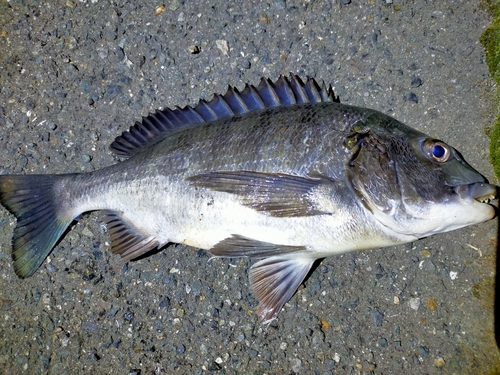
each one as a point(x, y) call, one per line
point(281, 172)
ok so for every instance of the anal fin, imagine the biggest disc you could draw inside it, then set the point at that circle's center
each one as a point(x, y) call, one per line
point(126, 240)
point(274, 280)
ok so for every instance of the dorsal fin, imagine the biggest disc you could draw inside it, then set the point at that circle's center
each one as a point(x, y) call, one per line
point(285, 91)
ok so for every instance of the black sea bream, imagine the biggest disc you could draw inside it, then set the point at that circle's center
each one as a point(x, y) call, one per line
point(281, 172)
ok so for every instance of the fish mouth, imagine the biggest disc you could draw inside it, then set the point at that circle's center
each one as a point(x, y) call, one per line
point(479, 191)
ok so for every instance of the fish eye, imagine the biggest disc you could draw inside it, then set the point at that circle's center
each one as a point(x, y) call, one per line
point(436, 150)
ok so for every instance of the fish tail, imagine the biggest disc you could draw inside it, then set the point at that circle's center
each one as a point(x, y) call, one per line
point(41, 217)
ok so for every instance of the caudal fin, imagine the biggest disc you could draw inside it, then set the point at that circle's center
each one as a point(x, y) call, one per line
point(41, 221)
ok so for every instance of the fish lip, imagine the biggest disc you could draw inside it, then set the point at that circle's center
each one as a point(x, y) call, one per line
point(479, 191)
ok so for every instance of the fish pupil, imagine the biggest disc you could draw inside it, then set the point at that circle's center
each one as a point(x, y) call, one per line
point(438, 151)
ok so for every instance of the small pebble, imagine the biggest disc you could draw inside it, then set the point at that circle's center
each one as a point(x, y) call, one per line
point(90, 327)
point(427, 265)
point(120, 54)
point(86, 158)
point(280, 4)
point(330, 364)
point(423, 351)
point(128, 316)
point(296, 365)
point(223, 46)
point(383, 342)
point(102, 52)
point(113, 311)
point(246, 64)
point(414, 303)
point(411, 97)
point(113, 89)
point(439, 362)
point(159, 9)
point(174, 5)
point(377, 317)
point(431, 304)
point(165, 302)
point(194, 49)
point(416, 82)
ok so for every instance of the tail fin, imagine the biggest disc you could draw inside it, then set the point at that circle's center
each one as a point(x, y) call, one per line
point(41, 220)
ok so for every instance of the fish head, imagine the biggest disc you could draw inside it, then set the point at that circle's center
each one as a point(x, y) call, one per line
point(412, 184)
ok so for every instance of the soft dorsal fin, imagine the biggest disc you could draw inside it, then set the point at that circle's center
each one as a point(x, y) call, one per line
point(285, 91)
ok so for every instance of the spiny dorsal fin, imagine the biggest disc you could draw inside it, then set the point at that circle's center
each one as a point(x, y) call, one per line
point(285, 91)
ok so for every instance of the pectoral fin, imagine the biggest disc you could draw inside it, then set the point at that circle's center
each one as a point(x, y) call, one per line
point(275, 194)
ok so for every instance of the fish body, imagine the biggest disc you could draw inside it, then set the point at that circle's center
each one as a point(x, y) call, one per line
point(162, 189)
point(282, 172)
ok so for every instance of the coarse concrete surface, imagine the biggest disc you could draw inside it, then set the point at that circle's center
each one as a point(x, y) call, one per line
point(75, 74)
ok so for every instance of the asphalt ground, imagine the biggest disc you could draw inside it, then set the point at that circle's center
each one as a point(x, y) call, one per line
point(75, 74)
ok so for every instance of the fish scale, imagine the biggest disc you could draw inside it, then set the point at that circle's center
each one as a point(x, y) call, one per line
point(281, 172)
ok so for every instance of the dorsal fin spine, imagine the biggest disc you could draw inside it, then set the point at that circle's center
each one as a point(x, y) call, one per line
point(181, 116)
point(256, 98)
point(174, 117)
point(221, 107)
point(165, 121)
point(284, 91)
point(233, 98)
point(298, 90)
point(147, 128)
point(312, 92)
point(267, 93)
point(287, 96)
point(145, 133)
point(194, 115)
point(205, 111)
point(327, 94)
point(150, 123)
point(131, 140)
